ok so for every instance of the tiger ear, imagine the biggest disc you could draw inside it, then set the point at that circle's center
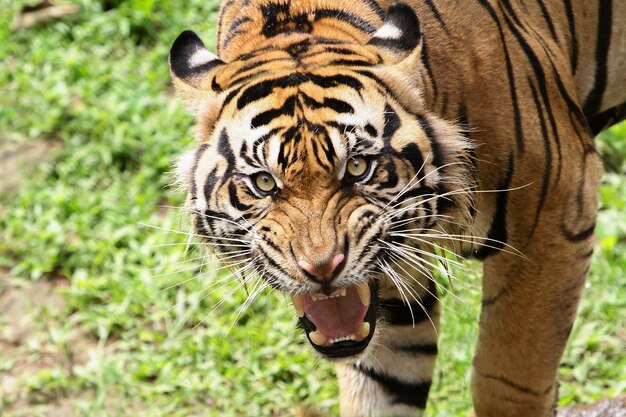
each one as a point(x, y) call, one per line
point(400, 35)
point(193, 68)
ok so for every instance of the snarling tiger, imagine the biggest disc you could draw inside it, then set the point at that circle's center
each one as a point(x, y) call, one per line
point(345, 148)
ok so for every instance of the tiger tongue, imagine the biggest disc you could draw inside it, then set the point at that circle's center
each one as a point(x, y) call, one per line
point(336, 316)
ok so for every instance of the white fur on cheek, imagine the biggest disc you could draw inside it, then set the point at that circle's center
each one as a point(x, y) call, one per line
point(184, 166)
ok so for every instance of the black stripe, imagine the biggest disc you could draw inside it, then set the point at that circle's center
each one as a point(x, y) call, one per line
point(340, 51)
point(548, 154)
point(572, 31)
point(252, 54)
point(201, 229)
point(438, 153)
point(233, 31)
point(261, 141)
point(266, 117)
point(364, 219)
point(540, 75)
point(574, 109)
point(316, 153)
point(199, 152)
point(337, 105)
point(347, 17)
point(235, 201)
point(329, 150)
point(412, 153)
point(243, 153)
point(229, 98)
point(390, 92)
point(279, 19)
point(350, 63)
point(414, 394)
point(519, 138)
point(426, 64)
point(587, 254)
point(547, 18)
point(212, 217)
point(251, 66)
point(603, 42)
point(516, 386)
point(391, 126)
point(210, 183)
point(580, 236)
point(497, 235)
point(487, 301)
point(435, 12)
point(285, 155)
point(270, 261)
point(264, 88)
point(397, 312)
point(271, 244)
point(517, 117)
point(426, 349)
point(392, 177)
point(297, 49)
point(335, 80)
point(370, 243)
point(223, 147)
point(371, 130)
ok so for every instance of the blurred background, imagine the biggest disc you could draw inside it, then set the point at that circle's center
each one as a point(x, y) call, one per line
point(103, 310)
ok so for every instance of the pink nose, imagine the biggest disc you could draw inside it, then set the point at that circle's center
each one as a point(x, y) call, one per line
point(322, 272)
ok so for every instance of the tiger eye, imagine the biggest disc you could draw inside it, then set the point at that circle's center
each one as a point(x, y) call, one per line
point(264, 182)
point(357, 166)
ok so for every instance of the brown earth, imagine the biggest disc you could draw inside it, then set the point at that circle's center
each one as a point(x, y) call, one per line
point(28, 310)
point(20, 157)
point(609, 407)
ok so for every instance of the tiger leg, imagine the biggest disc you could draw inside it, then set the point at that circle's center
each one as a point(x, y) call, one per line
point(529, 303)
point(394, 377)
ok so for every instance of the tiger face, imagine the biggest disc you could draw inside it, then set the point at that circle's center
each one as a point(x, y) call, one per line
point(318, 165)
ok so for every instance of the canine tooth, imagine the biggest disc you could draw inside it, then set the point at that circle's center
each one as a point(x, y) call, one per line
point(341, 292)
point(298, 304)
point(318, 338)
point(364, 330)
point(363, 289)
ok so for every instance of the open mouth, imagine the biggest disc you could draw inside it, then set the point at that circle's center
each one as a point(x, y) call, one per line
point(340, 324)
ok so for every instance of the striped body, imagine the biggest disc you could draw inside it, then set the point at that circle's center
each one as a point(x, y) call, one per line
point(470, 125)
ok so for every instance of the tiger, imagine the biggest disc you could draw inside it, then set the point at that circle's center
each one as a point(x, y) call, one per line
point(346, 149)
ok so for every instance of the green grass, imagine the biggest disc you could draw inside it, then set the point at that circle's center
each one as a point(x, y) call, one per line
point(124, 343)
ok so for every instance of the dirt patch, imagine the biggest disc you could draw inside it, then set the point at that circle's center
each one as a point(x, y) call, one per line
point(609, 407)
point(19, 158)
point(28, 347)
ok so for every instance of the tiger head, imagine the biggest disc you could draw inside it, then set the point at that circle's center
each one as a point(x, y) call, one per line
point(318, 163)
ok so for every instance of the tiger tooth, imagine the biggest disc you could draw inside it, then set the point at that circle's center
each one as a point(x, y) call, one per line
point(363, 289)
point(341, 292)
point(318, 338)
point(298, 304)
point(318, 296)
point(364, 330)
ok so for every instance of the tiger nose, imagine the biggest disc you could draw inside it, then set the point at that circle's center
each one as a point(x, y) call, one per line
point(322, 272)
